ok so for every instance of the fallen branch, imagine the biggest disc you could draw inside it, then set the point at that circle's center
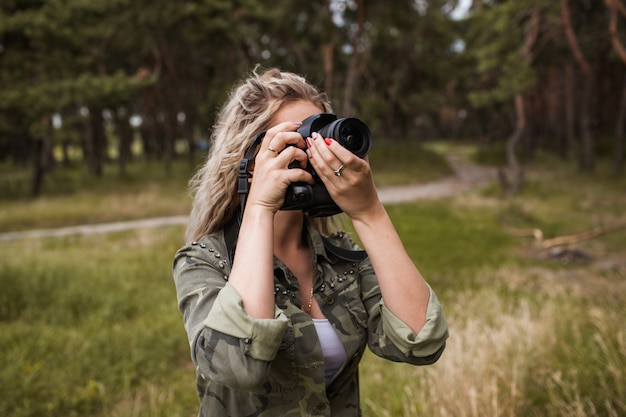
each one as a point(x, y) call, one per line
point(579, 237)
point(566, 239)
point(536, 233)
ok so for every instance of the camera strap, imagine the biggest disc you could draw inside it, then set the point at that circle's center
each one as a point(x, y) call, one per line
point(232, 226)
point(243, 177)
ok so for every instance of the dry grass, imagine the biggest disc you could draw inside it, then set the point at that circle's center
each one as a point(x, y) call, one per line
point(506, 351)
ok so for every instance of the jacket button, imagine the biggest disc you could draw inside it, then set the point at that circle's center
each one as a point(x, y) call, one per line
point(330, 300)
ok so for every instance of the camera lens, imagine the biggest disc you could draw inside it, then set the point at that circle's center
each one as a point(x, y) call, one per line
point(351, 133)
point(350, 138)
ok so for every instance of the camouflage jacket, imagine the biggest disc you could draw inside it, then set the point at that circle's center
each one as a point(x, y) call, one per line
point(275, 367)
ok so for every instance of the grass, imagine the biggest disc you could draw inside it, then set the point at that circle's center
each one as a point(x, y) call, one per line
point(406, 163)
point(89, 326)
point(146, 191)
point(71, 197)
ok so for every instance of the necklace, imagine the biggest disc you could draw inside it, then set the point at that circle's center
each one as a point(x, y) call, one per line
point(310, 301)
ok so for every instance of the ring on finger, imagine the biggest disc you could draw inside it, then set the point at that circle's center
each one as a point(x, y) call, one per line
point(339, 170)
point(269, 148)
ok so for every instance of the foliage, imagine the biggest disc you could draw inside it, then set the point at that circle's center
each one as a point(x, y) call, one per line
point(413, 71)
point(496, 37)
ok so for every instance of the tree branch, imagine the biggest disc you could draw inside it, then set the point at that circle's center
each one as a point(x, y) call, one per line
point(565, 239)
point(617, 4)
point(613, 7)
point(572, 40)
point(579, 237)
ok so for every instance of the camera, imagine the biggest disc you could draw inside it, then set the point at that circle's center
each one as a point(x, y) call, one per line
point(352, 134)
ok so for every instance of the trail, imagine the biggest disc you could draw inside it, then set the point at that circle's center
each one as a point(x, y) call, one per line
point(467, 176)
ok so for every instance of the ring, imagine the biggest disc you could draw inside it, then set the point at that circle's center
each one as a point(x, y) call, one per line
point(339, 170)
point(269, 148)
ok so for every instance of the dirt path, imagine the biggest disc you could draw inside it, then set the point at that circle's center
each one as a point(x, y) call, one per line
point(467, 176)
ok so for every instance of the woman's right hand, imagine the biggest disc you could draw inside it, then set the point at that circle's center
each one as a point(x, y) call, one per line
point(271, 175)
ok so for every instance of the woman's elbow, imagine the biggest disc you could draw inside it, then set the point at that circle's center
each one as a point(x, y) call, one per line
point(223, 360)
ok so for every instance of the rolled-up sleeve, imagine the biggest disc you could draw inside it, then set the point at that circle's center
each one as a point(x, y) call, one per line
point(227, 345)
point(430, 339)
point(263, 335)
point(391, 338)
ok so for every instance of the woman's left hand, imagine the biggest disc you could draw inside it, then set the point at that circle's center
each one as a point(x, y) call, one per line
point(347, 177)
point(404, 290)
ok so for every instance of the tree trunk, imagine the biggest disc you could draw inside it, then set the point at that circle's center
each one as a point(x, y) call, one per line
point(97, 143)
point(615, 7)
point(41, 158)
point(125, 136)
point(65, 152)
point(619, 134)
point(355, 62)
point(190, 134)
point(170, 139)
point(586, 156)
point(553, 110)
point(38, 169)
point(512, 177)
point(327, 52)
point(570, 112)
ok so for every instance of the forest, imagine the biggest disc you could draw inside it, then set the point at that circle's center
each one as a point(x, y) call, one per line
point(98, 82)
point(107, 107)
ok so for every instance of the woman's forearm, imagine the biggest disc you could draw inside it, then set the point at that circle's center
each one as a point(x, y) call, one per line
point(252, 273)
point(405, 292)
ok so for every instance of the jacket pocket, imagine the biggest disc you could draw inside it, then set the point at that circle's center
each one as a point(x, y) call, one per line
point(283, 376)
point(357, 312)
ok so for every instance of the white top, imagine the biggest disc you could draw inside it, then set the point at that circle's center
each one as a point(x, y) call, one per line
point(332, 348)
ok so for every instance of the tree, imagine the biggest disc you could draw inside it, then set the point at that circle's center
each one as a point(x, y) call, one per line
point(588, 82)
point(502, 40)
point(52, 62)
point(617, 8)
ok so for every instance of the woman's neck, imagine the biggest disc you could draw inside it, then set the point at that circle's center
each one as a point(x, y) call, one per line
point(288, 236)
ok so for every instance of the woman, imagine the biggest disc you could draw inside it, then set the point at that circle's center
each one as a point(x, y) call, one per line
point(279, 330)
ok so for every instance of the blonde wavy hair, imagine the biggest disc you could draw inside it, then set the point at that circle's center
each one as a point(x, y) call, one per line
point(248, 111)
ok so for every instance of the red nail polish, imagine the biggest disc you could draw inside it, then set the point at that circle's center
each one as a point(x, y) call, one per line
point(308, 142)
point(328, 141)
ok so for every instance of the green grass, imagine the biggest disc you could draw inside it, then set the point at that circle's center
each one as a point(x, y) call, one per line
point(146, 191)
point(72, 197)
point(443, 240)
point(406, 163)
point(89, 325)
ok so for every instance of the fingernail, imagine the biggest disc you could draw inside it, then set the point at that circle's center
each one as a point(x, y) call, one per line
point(297, 123)
point(328, 141)
point(315, 135)
point(308, 142)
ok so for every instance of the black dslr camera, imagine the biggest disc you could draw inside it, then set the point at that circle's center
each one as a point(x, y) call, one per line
point(350, 133)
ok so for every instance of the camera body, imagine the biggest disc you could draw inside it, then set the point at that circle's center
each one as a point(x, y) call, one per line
point(352, 134)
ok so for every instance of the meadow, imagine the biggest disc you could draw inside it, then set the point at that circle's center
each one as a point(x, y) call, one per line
point(89, 325)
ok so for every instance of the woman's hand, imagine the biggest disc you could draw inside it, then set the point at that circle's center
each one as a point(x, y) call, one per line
point(347, 177)
point(404, 290)
point(281, 146)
